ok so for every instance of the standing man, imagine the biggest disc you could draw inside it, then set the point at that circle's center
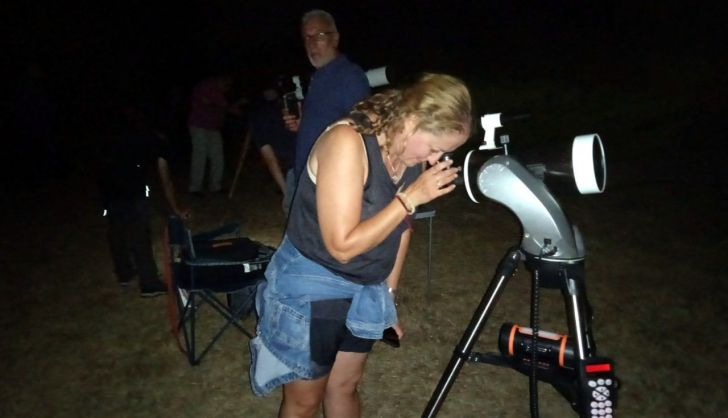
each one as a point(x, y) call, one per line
point(208, 107)
point(126, 170)
point(335, 87)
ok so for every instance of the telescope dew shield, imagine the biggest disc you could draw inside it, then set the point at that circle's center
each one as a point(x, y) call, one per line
point(589, 164)
point(377, 77)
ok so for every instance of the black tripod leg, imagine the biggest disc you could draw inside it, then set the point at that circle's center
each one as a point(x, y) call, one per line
point(462, 352)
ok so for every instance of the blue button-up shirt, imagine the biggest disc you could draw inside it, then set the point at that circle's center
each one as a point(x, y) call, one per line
point(334, 89)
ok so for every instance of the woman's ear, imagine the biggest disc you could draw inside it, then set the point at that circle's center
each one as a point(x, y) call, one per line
point(410, 125)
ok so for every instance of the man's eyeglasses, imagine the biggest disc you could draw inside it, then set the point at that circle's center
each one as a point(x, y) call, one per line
point(317, 37)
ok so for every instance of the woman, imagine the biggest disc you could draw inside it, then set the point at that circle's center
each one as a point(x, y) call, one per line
point(331, 284)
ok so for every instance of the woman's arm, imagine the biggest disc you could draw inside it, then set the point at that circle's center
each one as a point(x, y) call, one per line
point(394, 275)
point(340, 164)
point(271, 161)
point(393, 278)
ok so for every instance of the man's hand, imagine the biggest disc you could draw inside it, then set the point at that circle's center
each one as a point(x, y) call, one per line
point(291, 122)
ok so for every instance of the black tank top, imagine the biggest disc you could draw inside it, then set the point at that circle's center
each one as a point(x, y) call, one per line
point(305, 233)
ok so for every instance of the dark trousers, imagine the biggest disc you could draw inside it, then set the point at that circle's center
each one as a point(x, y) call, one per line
point(130, 242)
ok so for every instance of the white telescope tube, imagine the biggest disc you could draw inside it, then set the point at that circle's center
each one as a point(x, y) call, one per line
point(377, 77)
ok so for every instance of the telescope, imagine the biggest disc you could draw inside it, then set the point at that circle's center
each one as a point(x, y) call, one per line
point(552, 250)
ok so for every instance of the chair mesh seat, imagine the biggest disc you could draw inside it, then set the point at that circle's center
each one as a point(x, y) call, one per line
point(203, 266)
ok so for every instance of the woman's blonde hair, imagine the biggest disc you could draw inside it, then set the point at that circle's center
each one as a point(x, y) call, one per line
point(441, 104)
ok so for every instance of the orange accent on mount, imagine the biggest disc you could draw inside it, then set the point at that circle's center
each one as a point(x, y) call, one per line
point(562, 350)
point(511, 338)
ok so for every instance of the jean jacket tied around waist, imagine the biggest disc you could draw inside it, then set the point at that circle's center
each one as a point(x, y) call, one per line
point(280, 353)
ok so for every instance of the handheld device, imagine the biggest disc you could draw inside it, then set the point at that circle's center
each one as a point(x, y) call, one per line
point(597, 387)
point(290, 104)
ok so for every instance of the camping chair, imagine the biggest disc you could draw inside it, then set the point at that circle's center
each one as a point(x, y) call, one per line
point(204, 266)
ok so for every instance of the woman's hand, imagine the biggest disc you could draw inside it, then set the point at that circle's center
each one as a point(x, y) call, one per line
point(434, 182)
point(398, 330)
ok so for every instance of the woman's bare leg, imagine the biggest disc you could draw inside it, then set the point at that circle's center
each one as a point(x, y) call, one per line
point(301, 398)
point(341, 399)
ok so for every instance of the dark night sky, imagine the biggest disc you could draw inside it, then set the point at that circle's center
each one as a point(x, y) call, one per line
point(93, 50)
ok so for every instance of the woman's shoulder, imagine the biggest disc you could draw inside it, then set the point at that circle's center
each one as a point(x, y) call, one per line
point(341, 143)
point(341, 130)
point(341, 139)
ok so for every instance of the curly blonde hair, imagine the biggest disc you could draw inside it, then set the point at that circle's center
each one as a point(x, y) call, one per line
point(441, 104)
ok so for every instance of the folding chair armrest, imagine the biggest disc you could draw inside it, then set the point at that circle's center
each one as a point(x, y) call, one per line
point(231, 229)
point(267, 250)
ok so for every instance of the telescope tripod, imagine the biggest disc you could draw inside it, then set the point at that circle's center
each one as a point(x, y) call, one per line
point(568, 363)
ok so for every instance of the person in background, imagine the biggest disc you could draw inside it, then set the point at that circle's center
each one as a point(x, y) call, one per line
point(208, 106)
point(135, 155)
point(275, 143)
point(335, 87)
point(330, 286)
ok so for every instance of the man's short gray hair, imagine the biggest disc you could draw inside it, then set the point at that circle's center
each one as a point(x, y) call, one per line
point(319, 14)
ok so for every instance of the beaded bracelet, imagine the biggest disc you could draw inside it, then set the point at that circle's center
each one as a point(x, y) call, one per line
point(402, 197)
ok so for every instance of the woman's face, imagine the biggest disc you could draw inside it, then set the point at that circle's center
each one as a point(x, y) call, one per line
point(425, 146)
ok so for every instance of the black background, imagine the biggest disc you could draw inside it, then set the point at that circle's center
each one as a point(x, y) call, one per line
point(101, 47)
point(97, 53)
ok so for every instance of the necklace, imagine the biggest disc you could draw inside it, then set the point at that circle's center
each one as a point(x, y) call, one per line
point(395, 176)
